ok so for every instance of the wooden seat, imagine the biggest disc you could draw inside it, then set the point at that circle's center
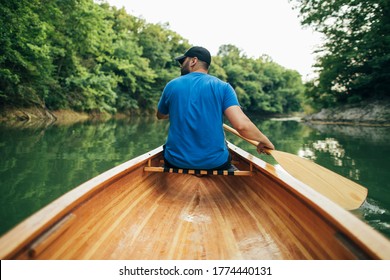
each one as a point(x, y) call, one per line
point(197, 171)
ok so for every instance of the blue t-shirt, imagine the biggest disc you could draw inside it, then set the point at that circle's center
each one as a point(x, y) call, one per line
point(195, 103)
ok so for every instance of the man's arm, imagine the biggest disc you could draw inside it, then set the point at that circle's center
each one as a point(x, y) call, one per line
point(247, 128)
point(161, 116)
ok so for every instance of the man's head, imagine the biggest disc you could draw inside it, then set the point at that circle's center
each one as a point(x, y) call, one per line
point(194, 59)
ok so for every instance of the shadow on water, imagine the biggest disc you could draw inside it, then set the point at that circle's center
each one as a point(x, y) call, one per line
point(39, 164)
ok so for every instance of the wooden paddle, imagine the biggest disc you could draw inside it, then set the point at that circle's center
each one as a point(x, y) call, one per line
point(337, 188)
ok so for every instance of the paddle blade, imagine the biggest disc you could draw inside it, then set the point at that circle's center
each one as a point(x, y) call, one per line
point(337, 188)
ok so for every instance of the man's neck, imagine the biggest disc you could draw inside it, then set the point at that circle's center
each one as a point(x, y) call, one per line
point(200, 70)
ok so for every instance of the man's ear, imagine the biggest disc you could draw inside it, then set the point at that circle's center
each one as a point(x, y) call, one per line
point(193, 61)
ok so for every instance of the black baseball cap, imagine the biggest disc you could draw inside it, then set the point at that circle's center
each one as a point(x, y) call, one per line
point(199, 52)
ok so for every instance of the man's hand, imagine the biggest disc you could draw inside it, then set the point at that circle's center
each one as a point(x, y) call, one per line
point(263, 149)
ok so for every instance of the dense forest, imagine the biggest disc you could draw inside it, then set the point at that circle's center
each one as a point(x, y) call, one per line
point(87, 56)
point(354, 62)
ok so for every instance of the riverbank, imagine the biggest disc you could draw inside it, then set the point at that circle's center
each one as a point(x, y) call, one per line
point(43, 116)
point(375, 112)
point(368, 113)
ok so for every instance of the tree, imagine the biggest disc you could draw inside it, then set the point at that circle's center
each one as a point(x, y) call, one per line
point(354, 62)
point(160, 45)
point(25, 61)
point(262, 85)
point(88, 56)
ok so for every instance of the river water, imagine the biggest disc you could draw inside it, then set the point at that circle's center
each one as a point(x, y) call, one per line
point(39, 164)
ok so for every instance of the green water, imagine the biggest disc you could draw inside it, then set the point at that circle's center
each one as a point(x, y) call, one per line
point(39, 164)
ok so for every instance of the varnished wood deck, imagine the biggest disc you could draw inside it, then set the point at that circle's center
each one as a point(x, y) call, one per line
point(145, 215)
point(168, 216)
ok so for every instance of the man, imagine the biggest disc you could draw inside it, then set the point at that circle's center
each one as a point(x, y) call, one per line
point(195, 104)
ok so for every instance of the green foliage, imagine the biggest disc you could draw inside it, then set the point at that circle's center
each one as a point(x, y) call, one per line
point(88, 56)
point(25, 62)
point(261, 85)
point(354, 61)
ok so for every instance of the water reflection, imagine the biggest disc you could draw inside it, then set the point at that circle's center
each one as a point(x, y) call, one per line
point(39, 164)
point(307, 152)
point(331, 146)
point(336, 153)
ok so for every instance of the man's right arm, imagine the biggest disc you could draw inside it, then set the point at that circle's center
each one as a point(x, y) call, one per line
point(246, 127)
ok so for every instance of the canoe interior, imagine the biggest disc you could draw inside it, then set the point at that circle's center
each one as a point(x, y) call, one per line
point(144, 215)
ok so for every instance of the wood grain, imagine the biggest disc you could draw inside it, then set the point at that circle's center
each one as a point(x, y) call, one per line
point(339, 189)
point(128, 213)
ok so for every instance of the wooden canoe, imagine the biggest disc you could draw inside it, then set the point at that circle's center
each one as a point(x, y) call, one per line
point(130, 213)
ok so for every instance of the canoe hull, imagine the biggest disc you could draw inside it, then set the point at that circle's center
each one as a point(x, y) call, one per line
point(128, 213)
